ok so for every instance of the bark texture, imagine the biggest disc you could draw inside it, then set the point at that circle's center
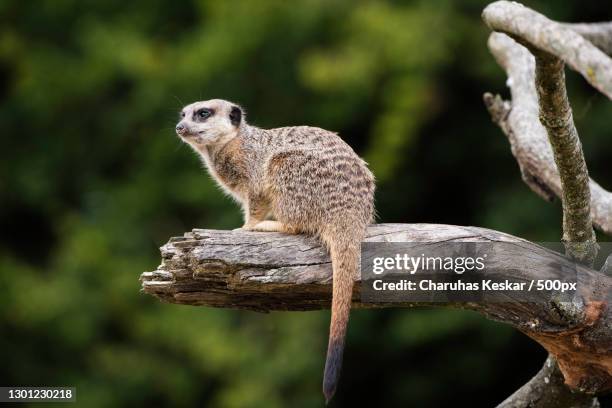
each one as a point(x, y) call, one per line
point(556, 116)
point(271, 271)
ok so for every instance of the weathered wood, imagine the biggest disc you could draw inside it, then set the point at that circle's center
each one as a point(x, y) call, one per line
point(534, 29)
point(547, 390)
point(550, 43)
point(599, 34)
point(538, 86)
point(519, 120)
point(271, 271)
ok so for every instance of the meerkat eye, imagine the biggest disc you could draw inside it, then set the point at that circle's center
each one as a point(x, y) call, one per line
point(182, 114)
point(204, 113)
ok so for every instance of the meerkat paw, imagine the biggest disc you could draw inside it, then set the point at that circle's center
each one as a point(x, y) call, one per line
point(248, 226)
point(267, 226)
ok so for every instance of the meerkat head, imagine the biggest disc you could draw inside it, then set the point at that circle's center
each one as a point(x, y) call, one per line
point(209, 122)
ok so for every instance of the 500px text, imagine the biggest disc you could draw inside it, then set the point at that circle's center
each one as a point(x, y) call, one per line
point(484, 285)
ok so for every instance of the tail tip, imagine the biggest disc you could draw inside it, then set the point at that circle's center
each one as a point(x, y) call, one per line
point(330, 381)
point(333, 363)
point(328, 390)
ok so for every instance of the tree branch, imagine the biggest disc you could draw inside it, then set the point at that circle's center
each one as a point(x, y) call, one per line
point(600, 34)
point(519, 120)
point(552, 44)
point(546, 390)
point(556, 116)
point(269, 271)
point(553, 38)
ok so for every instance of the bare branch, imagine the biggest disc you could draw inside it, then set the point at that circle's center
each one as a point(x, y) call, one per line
point(268, 271)
point(528, 137)
point(556, 116)
point(547, 39)
point(600, 34)
point(546, 390)
point(539, 87)
point(554, 38)
point(500, 112)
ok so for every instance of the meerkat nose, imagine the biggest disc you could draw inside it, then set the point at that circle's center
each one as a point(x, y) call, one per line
point(181, 129)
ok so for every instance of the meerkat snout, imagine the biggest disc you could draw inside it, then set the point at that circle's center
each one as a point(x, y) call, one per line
point(184, 130)
point(181, 129)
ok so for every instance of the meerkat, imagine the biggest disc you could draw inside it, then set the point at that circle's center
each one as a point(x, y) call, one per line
point(308, 179)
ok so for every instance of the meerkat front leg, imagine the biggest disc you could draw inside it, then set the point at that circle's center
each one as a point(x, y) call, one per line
point(254, 213)
point(255, 210)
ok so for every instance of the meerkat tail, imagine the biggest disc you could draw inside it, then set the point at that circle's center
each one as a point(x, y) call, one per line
point(344, 251)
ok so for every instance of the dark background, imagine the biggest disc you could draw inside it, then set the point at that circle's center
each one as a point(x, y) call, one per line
point(93, 180)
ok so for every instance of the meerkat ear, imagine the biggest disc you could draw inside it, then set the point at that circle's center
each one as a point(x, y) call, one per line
point(235, 116)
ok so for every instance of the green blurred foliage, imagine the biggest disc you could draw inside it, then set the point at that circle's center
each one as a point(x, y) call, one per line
point(93, 181)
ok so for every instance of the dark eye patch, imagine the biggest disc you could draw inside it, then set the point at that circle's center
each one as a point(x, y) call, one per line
point(202, 114)
point(235, 116)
